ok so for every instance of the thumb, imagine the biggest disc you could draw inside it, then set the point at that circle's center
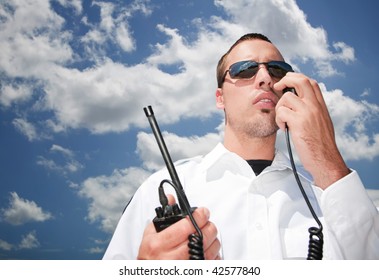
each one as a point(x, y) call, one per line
point(171, 199)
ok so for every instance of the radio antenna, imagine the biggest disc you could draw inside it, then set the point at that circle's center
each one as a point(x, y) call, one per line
point(165, 154)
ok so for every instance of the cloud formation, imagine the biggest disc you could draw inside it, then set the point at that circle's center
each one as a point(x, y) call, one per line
point(26, 128)
point(107, 95)
point(61, 160)
point(351, 118)
point(28, 241)
point(21, 211)
point(287, 26)
point(179, 147)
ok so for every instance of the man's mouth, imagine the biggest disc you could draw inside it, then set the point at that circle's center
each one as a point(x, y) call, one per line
point(266, 100)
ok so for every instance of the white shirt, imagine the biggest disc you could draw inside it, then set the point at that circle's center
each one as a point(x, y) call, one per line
point(259, 217)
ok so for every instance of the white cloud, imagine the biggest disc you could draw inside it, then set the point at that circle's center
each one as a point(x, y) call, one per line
point(29, 241)
point(346, 53)
point(35, 131)
point(26, 128)
point(102, 99)
point(21, 211)
point(110, 97)
point(5, 245)
point(71, 166)
point(287, 26)
point(113, 27)
point(66, 152)
point(124, 37)
point(67, 164)
point(75, 4)
point(48, 163)
point(56, 127)
point(366, 92)
point(178, 147)
point(108, 195)
point(93, 36)
point(32, 39)
point(14, 94)
point(106, 10)
point(350, 118)
point(96, 250)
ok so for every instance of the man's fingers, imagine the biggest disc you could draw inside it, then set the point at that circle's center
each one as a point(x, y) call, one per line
point(171, 199)
point(171, 243)
point(213, 251)
point(178, 232)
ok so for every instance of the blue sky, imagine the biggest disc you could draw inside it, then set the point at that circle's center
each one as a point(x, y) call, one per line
point(75, 76)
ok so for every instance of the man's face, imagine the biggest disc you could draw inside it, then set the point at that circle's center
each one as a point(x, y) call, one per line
point(249, 104)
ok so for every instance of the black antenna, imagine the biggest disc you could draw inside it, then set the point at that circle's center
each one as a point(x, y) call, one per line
point(166, 156)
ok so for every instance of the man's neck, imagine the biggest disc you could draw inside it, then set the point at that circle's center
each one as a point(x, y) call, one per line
point(250, 147)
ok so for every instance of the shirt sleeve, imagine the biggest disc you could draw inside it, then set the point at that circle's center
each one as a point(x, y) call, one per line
point(352, 218)
point(127, 235)
point(138, 214)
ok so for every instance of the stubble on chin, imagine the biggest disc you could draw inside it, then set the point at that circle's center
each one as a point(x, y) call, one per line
point(261, 126)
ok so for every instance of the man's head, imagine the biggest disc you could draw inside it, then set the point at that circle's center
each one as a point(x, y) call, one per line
point(249, 102)
point(221, 66)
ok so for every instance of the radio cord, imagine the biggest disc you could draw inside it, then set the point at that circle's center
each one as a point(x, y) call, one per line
point(316, 239)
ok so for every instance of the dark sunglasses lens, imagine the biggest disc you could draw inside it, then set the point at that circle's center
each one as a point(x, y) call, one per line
point(247, 69)
point(278, 69)
point(243, 70)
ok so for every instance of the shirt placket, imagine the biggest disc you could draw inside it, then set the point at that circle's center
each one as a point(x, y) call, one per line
point(258, 235)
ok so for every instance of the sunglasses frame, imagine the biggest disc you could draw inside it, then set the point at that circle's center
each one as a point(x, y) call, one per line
point(239, 67)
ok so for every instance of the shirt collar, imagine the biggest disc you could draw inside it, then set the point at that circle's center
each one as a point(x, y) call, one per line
point(220, 159)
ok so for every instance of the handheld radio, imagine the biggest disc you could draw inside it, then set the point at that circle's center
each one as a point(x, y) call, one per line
point(167, 215)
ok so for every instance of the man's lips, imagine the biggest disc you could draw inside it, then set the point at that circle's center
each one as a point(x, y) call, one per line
point(265, 99)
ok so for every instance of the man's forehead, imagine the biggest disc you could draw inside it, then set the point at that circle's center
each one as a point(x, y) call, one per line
point(257, 50)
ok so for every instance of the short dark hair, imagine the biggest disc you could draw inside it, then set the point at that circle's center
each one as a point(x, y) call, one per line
point(221, 63)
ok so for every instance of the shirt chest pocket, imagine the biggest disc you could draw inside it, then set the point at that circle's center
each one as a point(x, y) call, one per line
point(294, 242)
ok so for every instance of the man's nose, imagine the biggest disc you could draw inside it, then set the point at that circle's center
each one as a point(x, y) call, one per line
point(263, 77)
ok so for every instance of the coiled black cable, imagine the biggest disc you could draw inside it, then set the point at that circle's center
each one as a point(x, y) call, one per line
point(316, 238)
point(195, 245)
point(316, 243)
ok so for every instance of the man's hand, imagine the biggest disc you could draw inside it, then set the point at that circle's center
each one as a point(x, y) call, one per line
point(172, 242)
point(311, 128)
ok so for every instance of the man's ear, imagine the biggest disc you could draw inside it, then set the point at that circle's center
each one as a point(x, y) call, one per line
point(219, 99)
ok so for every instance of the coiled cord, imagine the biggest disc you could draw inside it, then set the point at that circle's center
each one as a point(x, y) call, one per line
point(316, 238)
point(195, 245)
point(316, 243)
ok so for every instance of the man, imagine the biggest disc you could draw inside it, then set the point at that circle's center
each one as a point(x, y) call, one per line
point(250, 206)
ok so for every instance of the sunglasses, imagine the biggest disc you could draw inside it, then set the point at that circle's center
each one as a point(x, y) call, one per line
point(247, 69)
